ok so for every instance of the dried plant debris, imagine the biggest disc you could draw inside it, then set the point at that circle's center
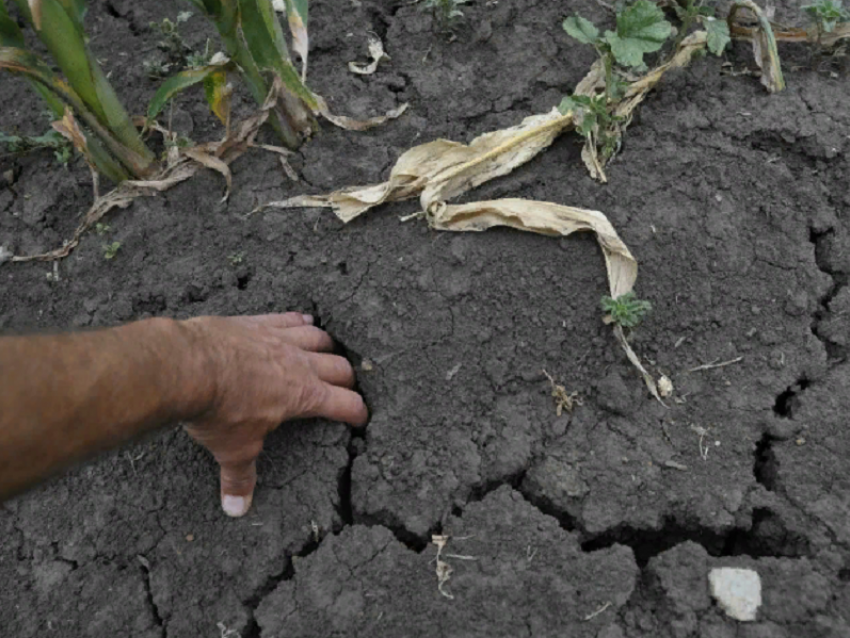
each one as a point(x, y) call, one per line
point(376, 55)
point(764, 46)
point(563, 400)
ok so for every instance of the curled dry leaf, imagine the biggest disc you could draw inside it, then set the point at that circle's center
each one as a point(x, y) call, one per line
point(351, 124)
point(443, 169)
point(377, 55)
point(764, 45)
point(543, 218)
point(214, 163)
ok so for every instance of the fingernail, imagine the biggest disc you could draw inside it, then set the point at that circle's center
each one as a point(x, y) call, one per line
point(235, 506)
point(308, 318)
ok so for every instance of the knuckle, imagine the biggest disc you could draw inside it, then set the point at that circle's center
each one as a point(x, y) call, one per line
point(313, 395)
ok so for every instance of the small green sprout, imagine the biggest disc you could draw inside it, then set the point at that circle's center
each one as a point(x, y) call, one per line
point(641, 28)
point(178, 54)
point(236, 258)
point(626, 310)
point(101, 228)
point(62, 149)
point(691, 12)
point(827, 14)
point(595, 122)
point(111, 250)
point(446, 12)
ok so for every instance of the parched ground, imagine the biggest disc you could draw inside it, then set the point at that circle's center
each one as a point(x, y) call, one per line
point(600, 523)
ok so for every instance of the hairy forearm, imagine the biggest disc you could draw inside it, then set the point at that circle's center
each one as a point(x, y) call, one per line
point(64, 397)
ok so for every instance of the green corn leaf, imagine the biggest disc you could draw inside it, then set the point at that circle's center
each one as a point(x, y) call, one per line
point(180, 82)
point(296, 14)
point(62, 32)
point(717, 35)
point(10, 33)
point(264, 38)
point(581, 29)
point(262, 33)
point(641, 28)
point(26, 64)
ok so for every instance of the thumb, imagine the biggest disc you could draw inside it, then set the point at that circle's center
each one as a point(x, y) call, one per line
point(238, 479)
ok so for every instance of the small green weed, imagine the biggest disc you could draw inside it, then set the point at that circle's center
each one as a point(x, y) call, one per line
point(446, 12)
point(596, 124)
point(827, 14)
point(62, 149)
point(236, 258)
point(626, 310)
point(177, 54)
point(692, 12)
point(101, 228)
point(111, 250)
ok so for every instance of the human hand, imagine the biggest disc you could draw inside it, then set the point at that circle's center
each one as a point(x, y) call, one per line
point(265, 370)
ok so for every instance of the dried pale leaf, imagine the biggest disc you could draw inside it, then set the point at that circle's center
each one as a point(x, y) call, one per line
point(665, 386)
point(544, 218)
point(841, 32)
point(442, 169)
point(296, 13)
point(452, 168)
point(377, 55)
point(764, 46)
point(287, 169)
point(590, 157)
point(351, 124)
point(35, 11)
point(68, 128)
point(635, 361)
point(214, 163)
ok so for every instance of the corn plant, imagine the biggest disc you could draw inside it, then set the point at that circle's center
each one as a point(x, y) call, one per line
point(253, 39)
point(116, 149)
point(251, 34)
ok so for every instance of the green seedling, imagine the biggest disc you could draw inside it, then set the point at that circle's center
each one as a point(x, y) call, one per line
point(178, 54)
point(61, 147)
point(626, 310)
point(236, 258)
point(595, 122)
point(692, 12)
point(641, 28)
point(446, 12)
point(101, 228)
point(110, 250)
point(827, 14)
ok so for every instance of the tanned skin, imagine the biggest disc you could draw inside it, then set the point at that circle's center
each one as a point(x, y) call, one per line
point(66, 397)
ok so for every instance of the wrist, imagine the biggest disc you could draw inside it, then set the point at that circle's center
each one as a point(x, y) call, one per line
point(192, 391)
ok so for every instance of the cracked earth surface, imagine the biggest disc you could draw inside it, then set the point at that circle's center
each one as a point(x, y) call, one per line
point(600, 523)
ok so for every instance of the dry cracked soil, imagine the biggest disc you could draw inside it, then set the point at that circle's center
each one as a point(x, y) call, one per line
point(600, 523)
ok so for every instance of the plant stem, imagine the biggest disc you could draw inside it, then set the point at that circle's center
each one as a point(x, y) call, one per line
point(257, 85)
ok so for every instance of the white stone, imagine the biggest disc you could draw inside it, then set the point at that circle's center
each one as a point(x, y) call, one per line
point(737, 591)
